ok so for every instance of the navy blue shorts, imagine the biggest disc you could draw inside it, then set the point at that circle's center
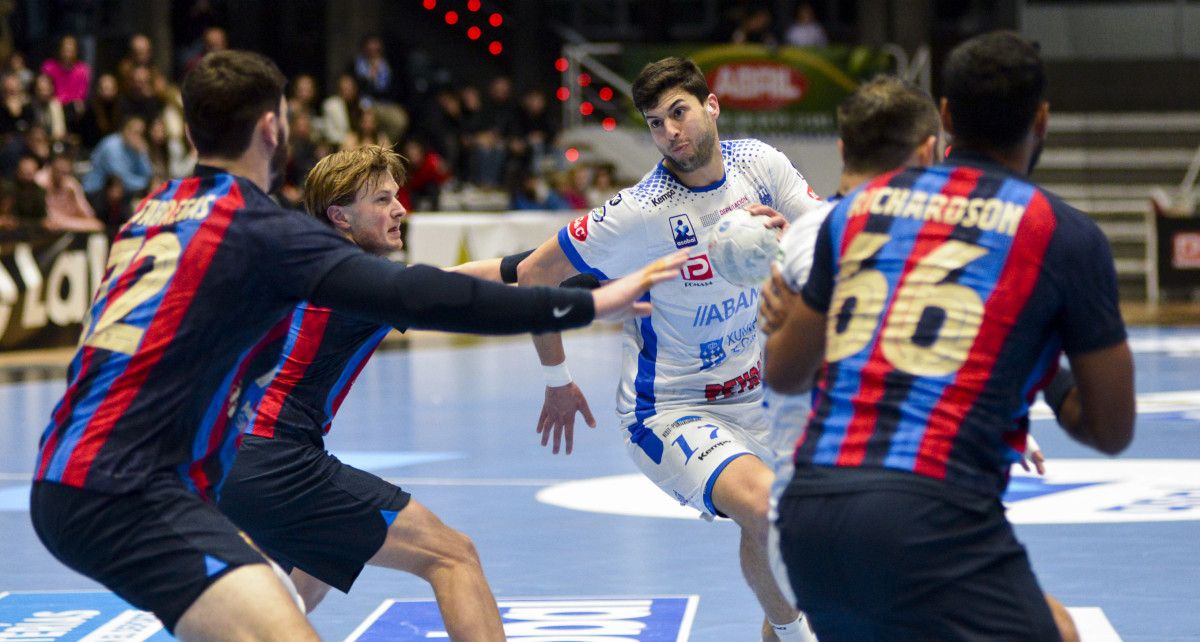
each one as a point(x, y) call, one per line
point(892, 564)
point(307, 509)
point(158, 548)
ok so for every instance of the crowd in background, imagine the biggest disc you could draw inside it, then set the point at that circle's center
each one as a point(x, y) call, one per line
point(79, 146)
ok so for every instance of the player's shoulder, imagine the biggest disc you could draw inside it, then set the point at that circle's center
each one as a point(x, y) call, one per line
point(654, 190)
point(745, 151)
point(1072, 223)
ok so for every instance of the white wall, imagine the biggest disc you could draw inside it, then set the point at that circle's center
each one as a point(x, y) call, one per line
point(1131, 31)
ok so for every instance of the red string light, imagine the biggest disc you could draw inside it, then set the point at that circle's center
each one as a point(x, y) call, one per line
point(473, 5)
point(474, 33)
point(562, 94)
point(495, 20)
point(609, 124)
point(451, 17)
point(572, 154)
point(429, 5)
point(495, 48)
point(560, 65)
point(586, 108)
point(606, 93)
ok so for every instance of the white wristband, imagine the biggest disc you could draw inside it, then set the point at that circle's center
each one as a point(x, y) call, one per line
point(556, 376)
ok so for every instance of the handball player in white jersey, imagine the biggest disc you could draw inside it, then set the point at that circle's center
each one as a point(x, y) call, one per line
point(690, 395)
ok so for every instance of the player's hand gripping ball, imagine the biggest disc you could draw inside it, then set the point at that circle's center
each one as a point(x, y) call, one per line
point(741, 248)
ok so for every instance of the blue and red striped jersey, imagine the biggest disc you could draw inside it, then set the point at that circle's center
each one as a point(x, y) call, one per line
point(322, 353)
point(949, 292)
point(205, 268)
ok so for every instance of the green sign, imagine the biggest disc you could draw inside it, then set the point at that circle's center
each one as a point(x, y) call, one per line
point(784, 90)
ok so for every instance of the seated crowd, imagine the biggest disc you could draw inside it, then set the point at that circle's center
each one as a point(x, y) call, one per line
point(79, 148)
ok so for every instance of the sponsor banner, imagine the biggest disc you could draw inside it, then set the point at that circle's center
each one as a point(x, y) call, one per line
point(647, 619)
point(782, 90)
point(1178, 252)
point(46, 283)
point(83, 616)
point(1074, 491)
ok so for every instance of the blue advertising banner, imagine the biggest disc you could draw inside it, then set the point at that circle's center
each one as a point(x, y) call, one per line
point(646, 619)
point(75, 616)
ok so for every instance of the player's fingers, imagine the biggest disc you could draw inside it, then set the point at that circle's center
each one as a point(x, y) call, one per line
point(569, 438)
point(558, 430)
point(587, 414)
point(1024, 463)
point(546, 430)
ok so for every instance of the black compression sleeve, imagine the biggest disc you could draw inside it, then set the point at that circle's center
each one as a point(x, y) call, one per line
point(581, 280)
point(508, 266)
point(420, 296)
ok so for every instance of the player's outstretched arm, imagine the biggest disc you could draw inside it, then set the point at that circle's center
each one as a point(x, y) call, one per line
point(618, 300)
point(1107, 406)
point(421, 296)
point(563, 398)
point(486, 269)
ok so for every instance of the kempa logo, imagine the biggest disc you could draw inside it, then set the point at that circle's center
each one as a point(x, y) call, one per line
point(662, 198)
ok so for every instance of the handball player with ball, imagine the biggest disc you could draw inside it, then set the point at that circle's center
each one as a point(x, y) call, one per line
point(690, 395)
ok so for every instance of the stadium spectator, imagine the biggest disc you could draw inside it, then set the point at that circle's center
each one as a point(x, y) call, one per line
point(755, 28)
point(71, 79)
point(140, 98)
point(427, 173)
point(139, 54)
point(112, 205)
point(28, 199)
point(124, 155)
point(47, 109)
point(806, 31)
point(67, 207)
point(16, 64)
point(380, 86)
point(537, 128)
point(341, 110)
point(102, 116)
point(16, 114)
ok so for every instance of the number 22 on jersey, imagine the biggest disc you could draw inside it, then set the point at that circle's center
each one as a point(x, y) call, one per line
point(931, 325)
point(138, 269)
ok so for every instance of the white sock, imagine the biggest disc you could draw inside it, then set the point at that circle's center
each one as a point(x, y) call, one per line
point(797, 631)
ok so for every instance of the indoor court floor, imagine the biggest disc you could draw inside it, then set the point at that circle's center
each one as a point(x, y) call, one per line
point(580, 549)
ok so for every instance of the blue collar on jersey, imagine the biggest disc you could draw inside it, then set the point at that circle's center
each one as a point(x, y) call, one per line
point(703, 188)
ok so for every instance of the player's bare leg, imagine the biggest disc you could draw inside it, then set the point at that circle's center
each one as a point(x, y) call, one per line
point(248, 604)
point(311, 590)
point(420, 543)
point(742, 492)
point(1062, 619)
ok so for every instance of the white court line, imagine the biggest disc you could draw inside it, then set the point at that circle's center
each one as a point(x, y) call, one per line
point(366, 624)
point(1093, 625)
point(473, 481)
point(689, 616)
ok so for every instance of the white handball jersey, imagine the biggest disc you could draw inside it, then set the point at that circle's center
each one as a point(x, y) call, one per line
point(789, 413)
point(699, 347)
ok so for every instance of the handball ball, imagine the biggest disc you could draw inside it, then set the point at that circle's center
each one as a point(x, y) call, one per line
point(741, 249)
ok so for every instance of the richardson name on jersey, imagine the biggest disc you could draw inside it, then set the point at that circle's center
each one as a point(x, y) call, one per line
point(710, 313)
point(988, 214)
point(155, 212)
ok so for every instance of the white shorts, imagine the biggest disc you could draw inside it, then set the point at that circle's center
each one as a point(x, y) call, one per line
point(692, 448)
